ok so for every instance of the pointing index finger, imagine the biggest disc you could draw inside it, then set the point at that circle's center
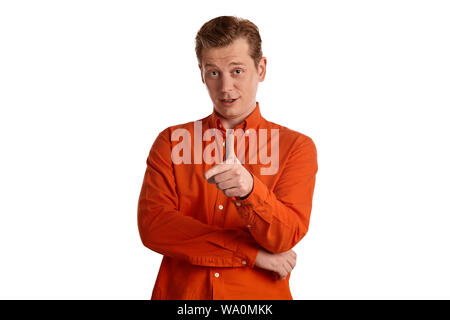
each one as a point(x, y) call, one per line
point(230, 156)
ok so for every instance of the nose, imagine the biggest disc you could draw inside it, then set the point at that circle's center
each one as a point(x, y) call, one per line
point(226, 84)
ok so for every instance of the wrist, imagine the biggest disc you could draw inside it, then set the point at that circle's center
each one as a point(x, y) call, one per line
point(247, 194)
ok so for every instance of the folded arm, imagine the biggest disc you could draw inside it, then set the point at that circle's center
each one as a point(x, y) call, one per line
point(167, 231)
point(279, 219)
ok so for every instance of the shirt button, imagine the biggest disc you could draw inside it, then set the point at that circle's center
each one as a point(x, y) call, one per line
point(238, 204)
point(223, 143)
point(216, 274)
point(249, 226)
point(220, 207)
point(244, 262)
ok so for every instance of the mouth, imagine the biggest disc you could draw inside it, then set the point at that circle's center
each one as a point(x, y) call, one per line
point(228, 102)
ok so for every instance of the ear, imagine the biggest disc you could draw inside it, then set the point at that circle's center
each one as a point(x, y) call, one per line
point(262, 69)
point(201, 72)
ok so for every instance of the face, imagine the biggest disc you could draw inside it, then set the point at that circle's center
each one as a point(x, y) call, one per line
point(230, 73)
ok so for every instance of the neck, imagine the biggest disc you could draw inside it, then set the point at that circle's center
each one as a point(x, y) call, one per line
point(231, 123)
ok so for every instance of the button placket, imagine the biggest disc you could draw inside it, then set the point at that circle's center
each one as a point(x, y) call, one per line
point(220, 209)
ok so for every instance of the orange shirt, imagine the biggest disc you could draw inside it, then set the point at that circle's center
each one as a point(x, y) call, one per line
point(210, 241)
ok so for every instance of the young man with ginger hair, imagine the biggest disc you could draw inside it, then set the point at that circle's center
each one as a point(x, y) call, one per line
point(225, 218)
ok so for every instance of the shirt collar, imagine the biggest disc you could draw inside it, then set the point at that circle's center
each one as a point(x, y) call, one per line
point(252, 120)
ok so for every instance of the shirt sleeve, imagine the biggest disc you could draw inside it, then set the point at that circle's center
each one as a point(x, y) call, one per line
point(166, 230)
point(279, 219)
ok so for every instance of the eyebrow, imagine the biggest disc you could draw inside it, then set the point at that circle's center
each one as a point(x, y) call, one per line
point(231, 63)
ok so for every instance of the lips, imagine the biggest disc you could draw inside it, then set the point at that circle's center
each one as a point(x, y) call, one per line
point(228, 101)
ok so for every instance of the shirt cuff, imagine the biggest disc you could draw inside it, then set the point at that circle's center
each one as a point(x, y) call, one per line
point(246, 253)
point(255, 203)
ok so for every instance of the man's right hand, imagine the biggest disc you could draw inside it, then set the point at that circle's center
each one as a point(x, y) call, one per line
point(280, 263)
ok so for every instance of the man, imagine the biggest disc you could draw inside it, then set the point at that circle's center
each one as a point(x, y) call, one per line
point(226, 219)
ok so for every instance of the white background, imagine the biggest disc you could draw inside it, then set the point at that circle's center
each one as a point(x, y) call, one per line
point(86, 86)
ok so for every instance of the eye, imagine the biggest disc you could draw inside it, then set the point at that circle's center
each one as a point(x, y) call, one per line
point(240, 71)
point(213, 73)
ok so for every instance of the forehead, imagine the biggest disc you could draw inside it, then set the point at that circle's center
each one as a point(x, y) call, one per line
point(237, 51)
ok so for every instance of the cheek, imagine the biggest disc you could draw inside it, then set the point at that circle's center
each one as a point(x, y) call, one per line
point(211, 86)
point(250, 85)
